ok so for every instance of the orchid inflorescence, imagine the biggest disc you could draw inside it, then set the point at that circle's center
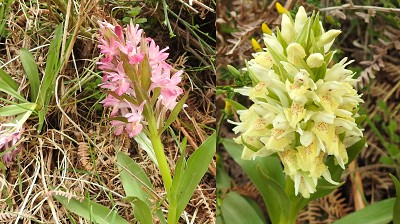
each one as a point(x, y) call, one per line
point(136, 76)
point(303, 109)
point(10, 134)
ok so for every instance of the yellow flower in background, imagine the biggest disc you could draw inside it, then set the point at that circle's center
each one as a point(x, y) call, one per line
point(303, 109)
point(256, 45)
point(280, 8)
point(266, 29)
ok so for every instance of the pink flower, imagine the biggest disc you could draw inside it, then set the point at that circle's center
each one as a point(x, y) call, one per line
point(131, 48)
point(118, 81)
point(9, 135)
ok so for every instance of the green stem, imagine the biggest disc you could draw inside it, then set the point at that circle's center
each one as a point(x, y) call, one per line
point(158, 148)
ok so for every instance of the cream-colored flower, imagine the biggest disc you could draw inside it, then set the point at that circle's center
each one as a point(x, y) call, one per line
point(288, 32)
point(298, 113)
point(315, 60)
point(300, 20)
point(295, 53)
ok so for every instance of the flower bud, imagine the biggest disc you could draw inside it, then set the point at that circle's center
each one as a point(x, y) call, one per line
point(295, 52)
point(256, 45)
point(280, 8)
point(315, 60)
point(328, 37)
point(301, 18)
point(288, 33)
point(266, 29)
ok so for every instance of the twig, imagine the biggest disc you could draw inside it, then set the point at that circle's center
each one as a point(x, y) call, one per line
point(362, 7)
point(204, 6)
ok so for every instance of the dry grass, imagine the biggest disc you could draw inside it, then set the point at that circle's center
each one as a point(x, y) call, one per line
point(75, 153)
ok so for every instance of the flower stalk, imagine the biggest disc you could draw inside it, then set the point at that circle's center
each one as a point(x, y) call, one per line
point(162, 161)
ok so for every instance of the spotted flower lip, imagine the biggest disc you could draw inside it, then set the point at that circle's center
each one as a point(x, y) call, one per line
point(303, 110)
point(129, 59)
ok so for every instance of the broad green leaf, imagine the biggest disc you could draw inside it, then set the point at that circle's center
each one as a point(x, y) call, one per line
point(237, 210)
point(396, 207)
point(4, 87)
point(141, 210)
point(185, 183)
point(379, 212)
point(237, 106)
point(7, 79)
point(174, 113)
point(271, 167)
point(16, 109)
point(31, 70)
point(133, 178)
point(91, 211)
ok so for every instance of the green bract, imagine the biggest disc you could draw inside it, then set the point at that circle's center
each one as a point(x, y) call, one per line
point(304, 110)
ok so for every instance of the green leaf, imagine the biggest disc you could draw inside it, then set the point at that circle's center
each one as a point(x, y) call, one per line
point(237, 210)
point(174, 113)
point(140, 20)
point(237, 106)
point(91, 210)
point(141, 211)
point(133, 178)
point(7, 79)
point(269, 166)
point(4, 87)
point(134, 181)
point(233, 71)
point(52, 68)
point(379, 212)
point(16, 109)
point(185, 182)
point(31, 71)
point(360, 119)
point(145, 143)
point(134, 11)
point(396, 207)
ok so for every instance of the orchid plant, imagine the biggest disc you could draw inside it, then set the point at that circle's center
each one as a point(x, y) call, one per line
point(303, 114)
point(17, 108)
point(142, 92)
